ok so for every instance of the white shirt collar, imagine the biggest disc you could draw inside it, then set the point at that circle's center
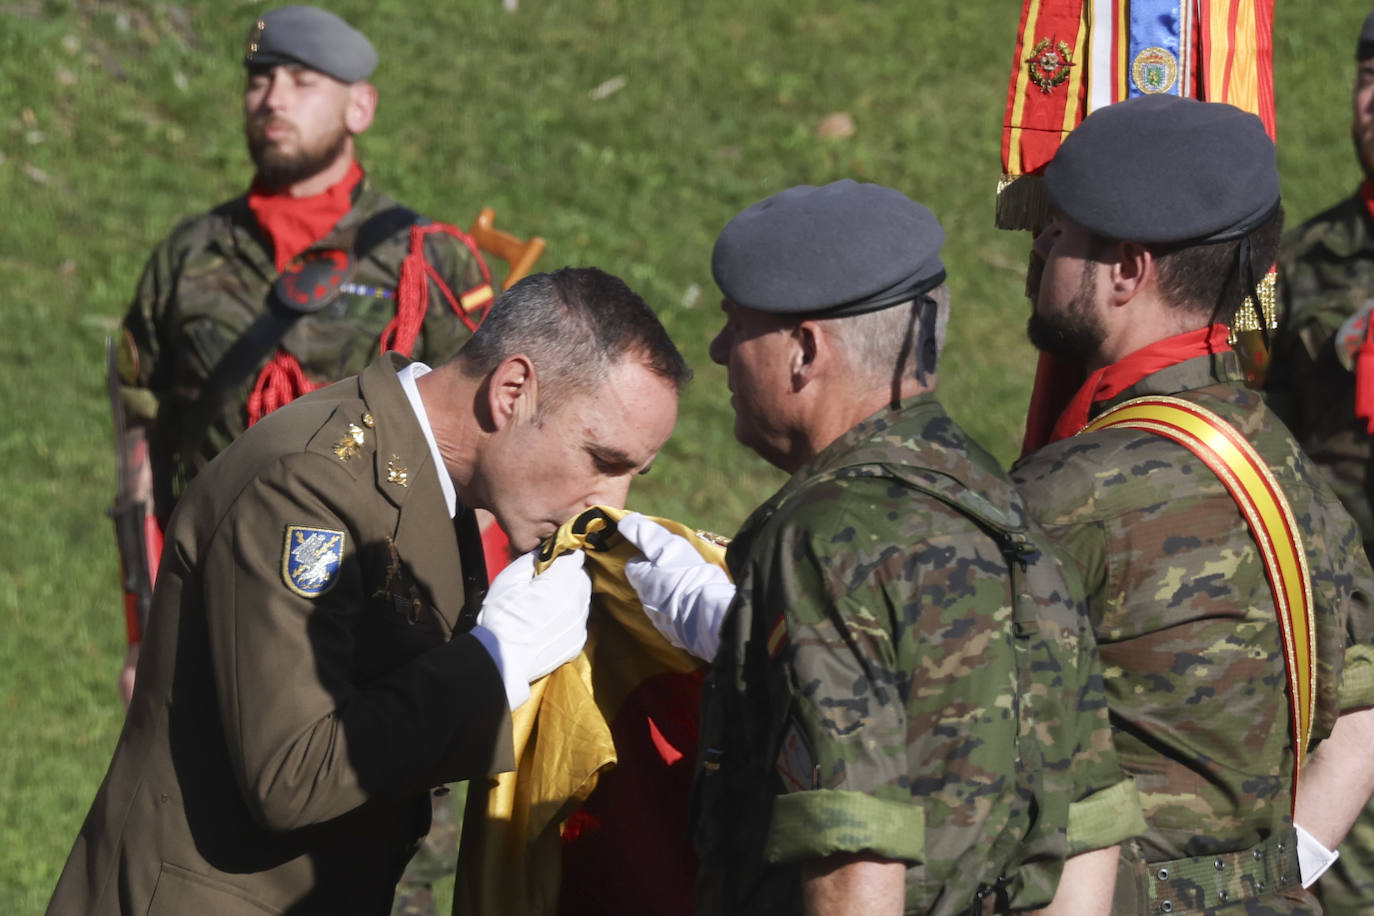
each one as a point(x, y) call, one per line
point(407, 377)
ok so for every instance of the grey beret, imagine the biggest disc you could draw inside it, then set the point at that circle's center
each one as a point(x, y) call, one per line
point(313, 38)
point(1159, 168)
point(1364, 49)
point(842, 249)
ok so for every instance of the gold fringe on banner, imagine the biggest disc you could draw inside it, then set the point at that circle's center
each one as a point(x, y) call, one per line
point(1022, 203)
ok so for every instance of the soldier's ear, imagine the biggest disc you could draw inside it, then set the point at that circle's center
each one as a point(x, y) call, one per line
point(513, 391)
point(362, 107)
point(813, 349)
point(1132, 267)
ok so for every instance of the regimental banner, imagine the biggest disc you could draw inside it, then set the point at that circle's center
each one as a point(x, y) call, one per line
point(1158, 42)
point(1237, 55)
point(1075, 56)
point(1046, 101)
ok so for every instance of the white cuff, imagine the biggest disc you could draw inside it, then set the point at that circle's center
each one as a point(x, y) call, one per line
point(517, 688)
point(1313, 858)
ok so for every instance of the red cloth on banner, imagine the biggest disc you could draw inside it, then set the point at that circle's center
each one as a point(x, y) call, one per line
point(631, 843)
point(293, 224)
point(1107, 382)
point(1034, 123)
point(1364, 359)
point(496, 549)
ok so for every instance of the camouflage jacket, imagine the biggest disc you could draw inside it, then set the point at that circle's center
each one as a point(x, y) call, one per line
point(209, 280)
point(1326, 272)
point(1185, 618)
point(877, 688)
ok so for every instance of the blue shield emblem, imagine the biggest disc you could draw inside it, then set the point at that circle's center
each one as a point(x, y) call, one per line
point(310, 559)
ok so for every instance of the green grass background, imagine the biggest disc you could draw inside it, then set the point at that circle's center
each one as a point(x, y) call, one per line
point(118, 117)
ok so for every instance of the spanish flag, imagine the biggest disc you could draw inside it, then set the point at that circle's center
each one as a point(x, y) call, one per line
point(595, 817)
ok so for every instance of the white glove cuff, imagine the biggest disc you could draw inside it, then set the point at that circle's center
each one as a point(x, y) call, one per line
point(1313, 858)
point(712, 603)
point(517, 686)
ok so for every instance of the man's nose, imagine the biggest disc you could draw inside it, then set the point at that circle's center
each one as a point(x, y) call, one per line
point(719, 350)
point(613, 492)
point(278, 93)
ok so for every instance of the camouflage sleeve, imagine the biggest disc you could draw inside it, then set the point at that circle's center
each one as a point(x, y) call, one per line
point(1347, 583)
point(1060, 497)
point(843, 758)
point(445, 330)
point(139, 350)
point(1106, 808)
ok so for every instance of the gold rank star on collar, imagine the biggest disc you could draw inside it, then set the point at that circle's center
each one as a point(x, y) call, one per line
point(350, 443)
point(396, 472)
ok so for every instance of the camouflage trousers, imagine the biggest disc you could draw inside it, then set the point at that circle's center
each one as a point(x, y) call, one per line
point(435, 860)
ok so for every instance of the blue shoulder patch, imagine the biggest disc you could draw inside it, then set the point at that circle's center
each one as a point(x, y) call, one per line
point(310, 559)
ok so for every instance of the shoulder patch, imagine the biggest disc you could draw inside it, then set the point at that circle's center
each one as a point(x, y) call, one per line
point(796, 763)
point(310, 559)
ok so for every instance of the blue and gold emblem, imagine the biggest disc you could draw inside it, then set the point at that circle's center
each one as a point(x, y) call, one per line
point(1154, 70)
point(310, 559)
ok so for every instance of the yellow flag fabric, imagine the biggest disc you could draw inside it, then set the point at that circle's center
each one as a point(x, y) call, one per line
point(510, 860)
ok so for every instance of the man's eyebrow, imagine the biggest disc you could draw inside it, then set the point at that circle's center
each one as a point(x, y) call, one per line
point(611, 455)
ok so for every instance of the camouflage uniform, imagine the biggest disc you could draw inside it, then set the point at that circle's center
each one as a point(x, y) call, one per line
point(1326, 273)
point(1190, 643)
point(877, 689)
point(208, 281)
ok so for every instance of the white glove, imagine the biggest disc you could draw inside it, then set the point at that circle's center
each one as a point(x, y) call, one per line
point(684, 595)
point(532, 624)
point(1313, 857)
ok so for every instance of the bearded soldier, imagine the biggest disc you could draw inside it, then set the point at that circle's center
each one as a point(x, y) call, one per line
point(1226, 585)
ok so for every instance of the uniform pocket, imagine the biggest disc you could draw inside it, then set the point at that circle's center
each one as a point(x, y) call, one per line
point(180, 891)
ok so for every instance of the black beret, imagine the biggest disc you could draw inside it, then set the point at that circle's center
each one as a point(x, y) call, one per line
point(1159, 168)
point(313, 38)
point(842, 249)
point(1364, 50)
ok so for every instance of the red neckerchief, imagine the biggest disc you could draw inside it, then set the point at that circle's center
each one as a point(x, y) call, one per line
point(293, 224)
point(1364, 359)
point(1048, 399)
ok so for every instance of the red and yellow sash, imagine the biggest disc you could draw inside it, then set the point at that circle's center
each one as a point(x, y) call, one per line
point(1260, 499)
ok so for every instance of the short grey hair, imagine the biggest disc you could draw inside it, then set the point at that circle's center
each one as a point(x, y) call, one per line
point(894, 343)
point(574, 324)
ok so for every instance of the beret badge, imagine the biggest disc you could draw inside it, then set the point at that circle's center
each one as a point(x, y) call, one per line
point(254, 34)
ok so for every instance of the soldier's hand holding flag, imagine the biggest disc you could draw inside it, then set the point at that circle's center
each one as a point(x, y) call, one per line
point(532, 624)
point(684, 595)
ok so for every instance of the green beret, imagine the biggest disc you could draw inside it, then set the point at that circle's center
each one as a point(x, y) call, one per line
point(842, 249)
point(1364, 49)
point(1159, 168)
point(313, 38)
